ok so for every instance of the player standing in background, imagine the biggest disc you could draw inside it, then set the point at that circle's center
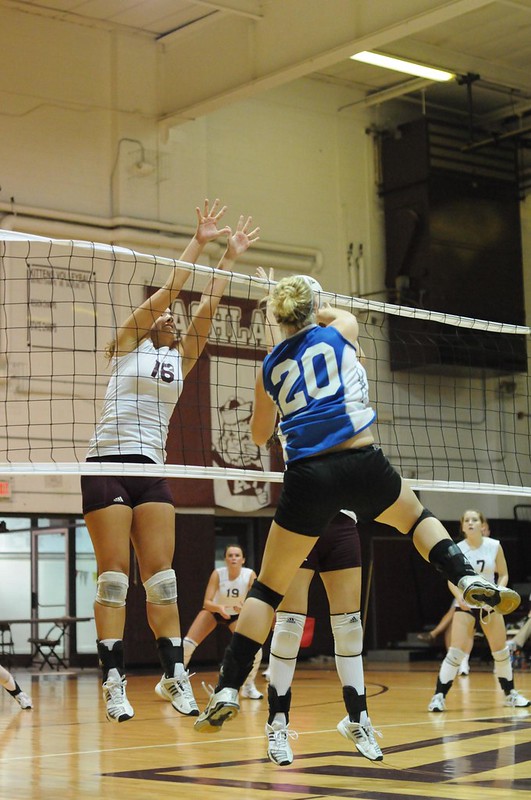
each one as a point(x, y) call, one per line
point(337, 559)
point(486, 555)
point(226, 590)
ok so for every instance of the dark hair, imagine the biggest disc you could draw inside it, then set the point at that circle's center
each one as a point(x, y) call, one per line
point(235, 544)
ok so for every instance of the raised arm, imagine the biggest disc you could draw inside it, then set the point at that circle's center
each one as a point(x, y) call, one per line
point(195, 338)
point(339, 318)
point(264, 416)
point(138, 324)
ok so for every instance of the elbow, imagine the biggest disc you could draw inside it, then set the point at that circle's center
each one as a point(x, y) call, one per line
point(259, 436)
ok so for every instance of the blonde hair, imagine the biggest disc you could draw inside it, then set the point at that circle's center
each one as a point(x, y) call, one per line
point(292, 301)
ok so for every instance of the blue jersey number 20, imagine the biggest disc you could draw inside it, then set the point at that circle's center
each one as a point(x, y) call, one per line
point(289, 372)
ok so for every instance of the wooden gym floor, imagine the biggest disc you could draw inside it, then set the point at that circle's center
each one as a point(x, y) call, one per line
point(64, 748)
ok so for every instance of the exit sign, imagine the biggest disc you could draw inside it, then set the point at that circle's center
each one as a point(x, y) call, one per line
point(5, 489)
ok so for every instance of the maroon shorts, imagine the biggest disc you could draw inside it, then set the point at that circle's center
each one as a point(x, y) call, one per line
point(337, 548)
point(101, 491)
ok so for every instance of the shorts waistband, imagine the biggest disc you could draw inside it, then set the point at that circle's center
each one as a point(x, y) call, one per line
point(129, 458)
point(337, 453)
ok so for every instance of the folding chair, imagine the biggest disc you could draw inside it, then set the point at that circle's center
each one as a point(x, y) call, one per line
point(7, 647)
point(45, 648)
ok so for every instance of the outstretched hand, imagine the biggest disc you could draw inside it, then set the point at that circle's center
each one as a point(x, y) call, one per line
point(261, 273)
point(242, 238)
point(207, 222)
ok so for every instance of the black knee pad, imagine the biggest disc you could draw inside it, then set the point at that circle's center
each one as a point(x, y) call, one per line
point(424, 515)
point(262, 592)
point(450, 560)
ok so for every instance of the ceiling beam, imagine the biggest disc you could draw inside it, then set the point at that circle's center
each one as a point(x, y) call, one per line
point(488, 70)
point(389, 93)
point(506, 112)
point(294, 39)
point(245, 8)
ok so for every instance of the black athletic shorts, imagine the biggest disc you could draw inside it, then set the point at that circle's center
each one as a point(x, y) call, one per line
point(477, 613)
point(337, 548)
point(222, 621)
point(101, 491)
point(316, 489)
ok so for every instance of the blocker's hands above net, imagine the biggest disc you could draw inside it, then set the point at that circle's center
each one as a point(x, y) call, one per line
point(207, 222)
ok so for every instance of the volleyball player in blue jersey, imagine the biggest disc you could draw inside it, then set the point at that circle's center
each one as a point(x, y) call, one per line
point(314, 379)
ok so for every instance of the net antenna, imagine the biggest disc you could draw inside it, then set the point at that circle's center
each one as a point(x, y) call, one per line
point(458, 423)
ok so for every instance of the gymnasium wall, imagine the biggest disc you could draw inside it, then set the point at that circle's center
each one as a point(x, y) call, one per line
point(78, 111)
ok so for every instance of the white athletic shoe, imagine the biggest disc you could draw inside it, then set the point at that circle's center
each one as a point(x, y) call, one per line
point(362, 736)
point(223, 705)
point(250, 691)
point(479, 592)
point(118, 707)
point(437, 702)
point(278, 746)
point(516, 700)
point(180, 694)
point(24, 700)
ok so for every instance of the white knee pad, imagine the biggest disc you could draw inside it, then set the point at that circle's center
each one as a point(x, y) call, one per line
point(161, 588)
point(112, 589)
point(287, 634)
point(502, 664)
point(348, 634)
point(454, 656)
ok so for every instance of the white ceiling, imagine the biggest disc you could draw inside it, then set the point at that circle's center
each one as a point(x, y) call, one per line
point(277, 41)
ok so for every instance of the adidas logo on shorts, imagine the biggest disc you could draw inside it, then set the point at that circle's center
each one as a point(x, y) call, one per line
point(118, 499)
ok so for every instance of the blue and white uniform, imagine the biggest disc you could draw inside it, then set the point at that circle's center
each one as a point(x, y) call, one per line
point(320, 388)
point(144, 388)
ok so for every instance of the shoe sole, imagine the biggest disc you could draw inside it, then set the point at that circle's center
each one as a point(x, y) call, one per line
point(502, 600)
point(279, 763)
point(221, 713)
point(121, 718)
point(345, 733)
point(161, 693)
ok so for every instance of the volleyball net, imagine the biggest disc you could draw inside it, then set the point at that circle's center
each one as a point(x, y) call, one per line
point(451, 392)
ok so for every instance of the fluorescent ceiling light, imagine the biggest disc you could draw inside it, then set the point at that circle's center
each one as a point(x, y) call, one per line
point(388, 62)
